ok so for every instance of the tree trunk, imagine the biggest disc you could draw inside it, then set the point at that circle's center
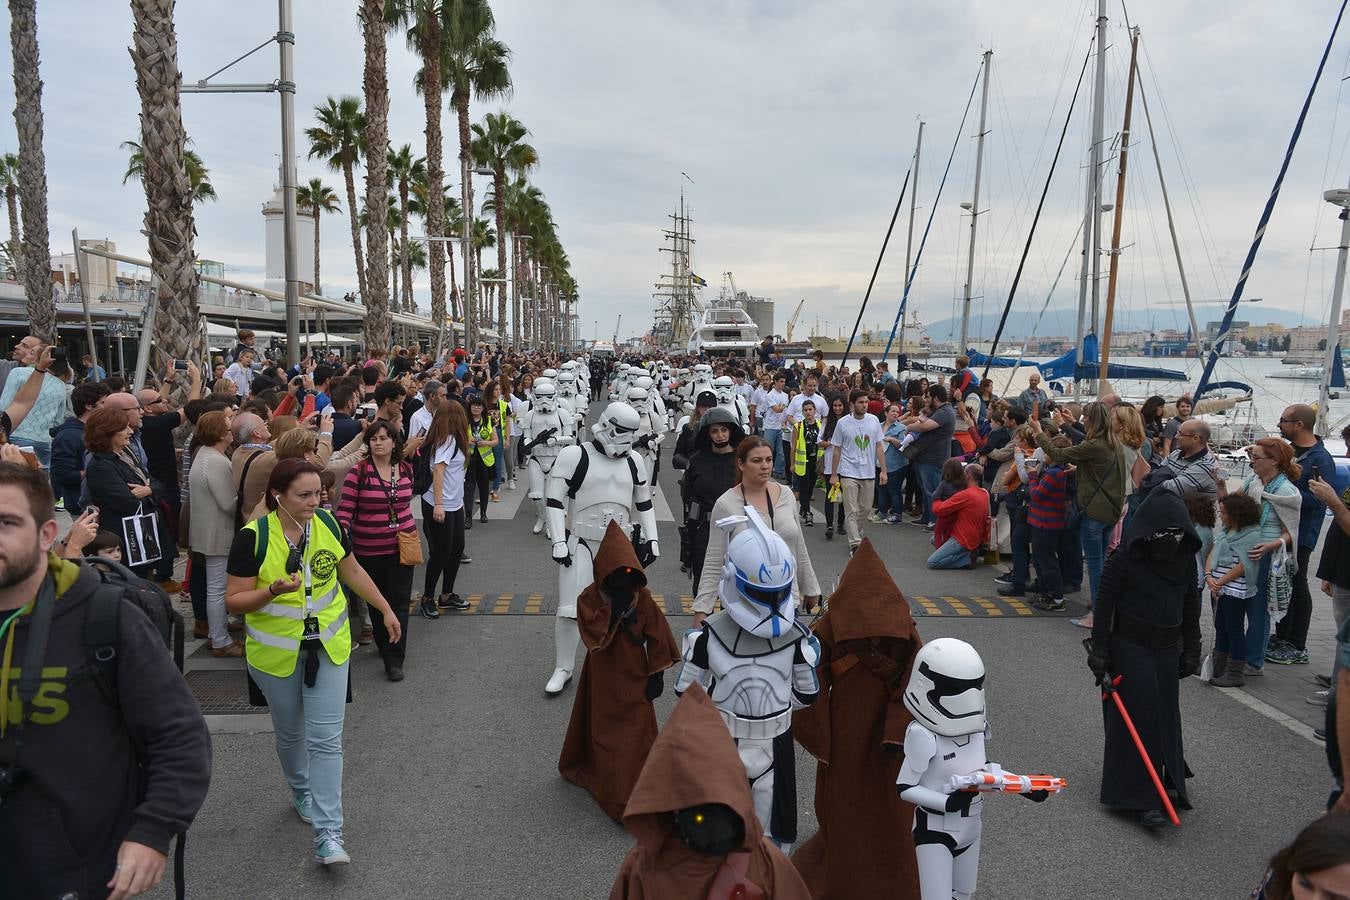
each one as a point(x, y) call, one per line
point(375, 84)
point(318, 292)
point(169, 222)
point(515, 293)
point(355, 215)
point(430, 31)
point(406, 258)
point(15, 241)
point(461, 104)
point(37, 264)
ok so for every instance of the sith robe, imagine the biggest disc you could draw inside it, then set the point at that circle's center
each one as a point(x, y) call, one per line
point(613, 723)
point(694, 762)
point(856, 730)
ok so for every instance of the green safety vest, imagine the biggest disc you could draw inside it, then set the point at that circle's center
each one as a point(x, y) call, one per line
point(273, 633)
point(800, 450)
point(485, 433)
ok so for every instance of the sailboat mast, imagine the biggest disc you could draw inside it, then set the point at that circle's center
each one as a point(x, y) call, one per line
point(1120, 207)
point(1091, 269)
point(1334, 322)
point(909, 239)
point(975, 203)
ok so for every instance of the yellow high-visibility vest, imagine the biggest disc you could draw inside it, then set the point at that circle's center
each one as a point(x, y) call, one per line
point(273, 634)
point(800, 450)
point(485, 433)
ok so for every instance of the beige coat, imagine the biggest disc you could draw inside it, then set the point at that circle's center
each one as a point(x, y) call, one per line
point(211, 505)
point(338, 463)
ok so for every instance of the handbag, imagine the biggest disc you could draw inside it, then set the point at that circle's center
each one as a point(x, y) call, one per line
point(410, 548)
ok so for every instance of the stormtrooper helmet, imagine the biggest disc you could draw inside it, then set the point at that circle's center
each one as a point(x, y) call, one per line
point(567, 384)
point(617, 428)
point(638, 398)
point(549, 374)
point(570, 365)
point(643, 381)
point(725, 389)
point(545, 395)
point(703, 371)
point(757, 578)
point(945, 693)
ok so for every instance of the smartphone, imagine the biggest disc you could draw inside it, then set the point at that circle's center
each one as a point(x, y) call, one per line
point(1317, 472)
point(180, 365)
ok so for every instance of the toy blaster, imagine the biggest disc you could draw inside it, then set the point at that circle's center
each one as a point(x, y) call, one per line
point(995, 779)
point(542, 439)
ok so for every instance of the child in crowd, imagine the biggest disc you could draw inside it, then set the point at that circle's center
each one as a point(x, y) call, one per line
point(1240, 531)
point(105, 544)
point(806, 452)
point(953, 480)
point(1201, 509)
point(1047, 511)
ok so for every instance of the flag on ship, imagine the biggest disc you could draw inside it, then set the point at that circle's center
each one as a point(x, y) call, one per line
point(701, 282)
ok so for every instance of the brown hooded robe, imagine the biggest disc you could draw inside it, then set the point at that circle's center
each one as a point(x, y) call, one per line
point(613, 723)
point(692, 763)
point(856, 729)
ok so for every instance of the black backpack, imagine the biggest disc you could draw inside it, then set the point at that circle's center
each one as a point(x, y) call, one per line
point(421, 482)
point(102, 640)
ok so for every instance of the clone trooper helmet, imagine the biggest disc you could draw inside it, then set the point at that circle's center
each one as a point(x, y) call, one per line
point(545, 396)
point(617, 429)
point(945, 693)
point(757, 578)
point(549, 373)
point(725, 389)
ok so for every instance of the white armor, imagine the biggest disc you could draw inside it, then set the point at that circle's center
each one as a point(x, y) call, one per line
point(567, 397)
point(542, 417)
point(590, 485)
point(945, 694)
point(756, 662)
point(727, 398)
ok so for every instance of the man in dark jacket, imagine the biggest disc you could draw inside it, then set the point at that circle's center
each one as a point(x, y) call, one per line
point(1146, 631)
point(68, 444)
point(96, 786)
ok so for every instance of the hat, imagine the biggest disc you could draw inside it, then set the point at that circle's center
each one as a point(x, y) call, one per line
point(707, 399)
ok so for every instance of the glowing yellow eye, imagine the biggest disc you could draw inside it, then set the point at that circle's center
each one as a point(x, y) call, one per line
point(698, 818)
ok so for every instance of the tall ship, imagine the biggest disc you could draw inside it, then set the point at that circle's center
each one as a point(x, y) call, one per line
point(678, 307)
point(726, 327)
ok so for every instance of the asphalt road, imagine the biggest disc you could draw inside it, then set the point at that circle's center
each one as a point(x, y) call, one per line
point(451, 785)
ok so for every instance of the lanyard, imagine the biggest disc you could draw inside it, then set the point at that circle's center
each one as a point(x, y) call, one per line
point(390, 490)
point(6, 662)
point(304, 567)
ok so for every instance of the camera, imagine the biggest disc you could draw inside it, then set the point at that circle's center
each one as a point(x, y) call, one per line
point(180, 365)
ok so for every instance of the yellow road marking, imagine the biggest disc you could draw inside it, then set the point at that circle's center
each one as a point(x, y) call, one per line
point(1019, 607)
point(532, 604)
point(503, 604)
point(475, 601)
point(686, 604)
point(961, 608)
point(989, 608)
point(928, 606)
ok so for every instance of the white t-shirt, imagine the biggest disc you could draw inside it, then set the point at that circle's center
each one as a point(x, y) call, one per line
point(757, 400)
point(858, 440)
point(420, 421)
point(794, 410)
point(773, 419)
point(452, 481)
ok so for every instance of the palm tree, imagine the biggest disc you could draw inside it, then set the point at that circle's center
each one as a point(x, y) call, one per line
point(338, 139)
point(169, 224)
point(199, 179)
point(9, 181)
point(37, 265)
point(499, 145)
point(481, 236)
point(375, 84)
point(475, 66)
point(318, 198)
point(403, 167)
point(419, 203)
point(413, 258)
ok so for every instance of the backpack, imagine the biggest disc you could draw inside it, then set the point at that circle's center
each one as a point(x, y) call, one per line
point(102, 638)
point(421, 480)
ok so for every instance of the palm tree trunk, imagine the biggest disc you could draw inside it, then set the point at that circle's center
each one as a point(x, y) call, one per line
point(355, 217)
point(515, 293)
point(394, 250)
point(375, 84)
point(499, 188)
point(318, 292)
point(15, 246)
point(169, 222)
point(429, 30)
point(461, 104)
point(36, 266)
point(406, 257)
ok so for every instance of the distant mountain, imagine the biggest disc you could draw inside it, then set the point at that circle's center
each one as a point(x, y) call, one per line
point(1062, 322)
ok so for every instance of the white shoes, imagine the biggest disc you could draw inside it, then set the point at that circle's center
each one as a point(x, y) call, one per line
point(566, 639)
point(538, 526)
point(557, 682)
point(511, 485)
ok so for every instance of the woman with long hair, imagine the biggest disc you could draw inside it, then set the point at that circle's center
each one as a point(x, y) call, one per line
point(1316, 865)
point(826, 465)
point(211, 511)
point(443, 511)
point(376, 507)
point(1131, 438)
point(482, 458)
point(1151, 413)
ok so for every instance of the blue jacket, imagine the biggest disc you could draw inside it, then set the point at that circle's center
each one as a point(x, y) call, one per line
point(1313, 511)
point(67, 456)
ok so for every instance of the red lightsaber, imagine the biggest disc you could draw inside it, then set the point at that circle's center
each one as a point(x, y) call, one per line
point(1109, 689)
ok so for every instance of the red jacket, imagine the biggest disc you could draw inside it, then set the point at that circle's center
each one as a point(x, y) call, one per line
point(970, 511)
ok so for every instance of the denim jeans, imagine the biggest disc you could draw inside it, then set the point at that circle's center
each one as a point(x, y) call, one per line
point(929, 478)
point(1094, 535)
point(42, 449)
point(1228, 621)
point(774, 437)
point(951, 555)
point(1294, 626)
point(1049, 547)
point(891, 493)
point(1019, 535)
point(1258, 617)
point(308, 724)
point(217, 617)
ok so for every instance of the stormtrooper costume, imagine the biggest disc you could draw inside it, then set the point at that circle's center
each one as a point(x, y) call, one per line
point(546, 430)
point(727, 398)
point(756, 662)
point(945, 694)
point(700, 380)
point(590, 485)
point(583, 383)
point(651, 430)
point(568, 399)
point(619, 386)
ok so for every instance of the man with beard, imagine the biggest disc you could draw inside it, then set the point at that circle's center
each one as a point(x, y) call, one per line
point(101, 763)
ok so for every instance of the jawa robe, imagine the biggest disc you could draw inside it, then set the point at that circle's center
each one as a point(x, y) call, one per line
point(613, 723)
point(856, 730)
point(694, 762)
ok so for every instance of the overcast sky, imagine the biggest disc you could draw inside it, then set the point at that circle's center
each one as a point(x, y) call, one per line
point(796, 122)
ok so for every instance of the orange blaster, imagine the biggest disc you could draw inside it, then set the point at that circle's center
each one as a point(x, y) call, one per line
point(993, 778)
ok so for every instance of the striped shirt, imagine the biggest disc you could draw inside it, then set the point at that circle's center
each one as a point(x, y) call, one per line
point(1049, 496)
point(365, 510)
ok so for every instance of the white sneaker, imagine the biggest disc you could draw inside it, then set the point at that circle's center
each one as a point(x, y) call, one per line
point(538, 526)
point(557, 682)
point(1318, 699)
point(511, 485)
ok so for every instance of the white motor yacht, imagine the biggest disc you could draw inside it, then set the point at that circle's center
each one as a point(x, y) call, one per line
point(724, 328)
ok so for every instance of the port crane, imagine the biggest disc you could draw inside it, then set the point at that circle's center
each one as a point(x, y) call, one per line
point(616, 329)
point(792, 322)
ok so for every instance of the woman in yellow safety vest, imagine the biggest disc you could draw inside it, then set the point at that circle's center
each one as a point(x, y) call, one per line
point(482, 461)
point(805, 457)
point(499, 414)
point(286, 574)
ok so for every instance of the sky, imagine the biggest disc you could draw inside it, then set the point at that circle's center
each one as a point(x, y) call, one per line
point(795, 123)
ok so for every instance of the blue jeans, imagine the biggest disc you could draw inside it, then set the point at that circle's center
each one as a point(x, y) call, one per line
point(930, 476)
point(308, 723)
point(890, 501)
point(1019, 536)
point(774, 436)
point(43, 450)
point(499, 464)
point(1258, 617)
point(951, 555)
point(1095, 533)
point(1228, 632)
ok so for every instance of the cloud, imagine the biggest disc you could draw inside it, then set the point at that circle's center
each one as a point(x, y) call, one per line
point(796, 122)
